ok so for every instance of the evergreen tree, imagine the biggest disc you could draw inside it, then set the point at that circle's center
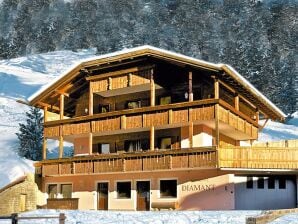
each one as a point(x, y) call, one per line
point(30, 135)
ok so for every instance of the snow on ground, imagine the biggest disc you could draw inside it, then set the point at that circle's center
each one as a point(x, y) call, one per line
point(287, 219)
point(125, 217)
point(19, 78)
point(275, 131)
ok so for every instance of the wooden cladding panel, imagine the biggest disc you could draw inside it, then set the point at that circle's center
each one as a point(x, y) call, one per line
point(110, 124)
point(139, 80)
point(50, 169)
point(133, 164)
point(134, 121)
point(66, 168)
point(258, 158)
point(157, 162)
point(203, 113)
point(238, 123)
point(180, 116)
point(51, 131)
point(119, 82)
point(108, 165)
point(201, 159)
point(75, 129)
point(156, 119)
point(99, 86)
point(84, 167)
point(180, 161)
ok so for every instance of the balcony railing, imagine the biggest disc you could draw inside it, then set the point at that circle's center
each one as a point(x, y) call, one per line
point(172, 114)
point(259, 157)
point(126, 162)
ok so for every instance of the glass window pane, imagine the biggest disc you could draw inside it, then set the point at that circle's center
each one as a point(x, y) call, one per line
point(66, 190)
point(168, 188)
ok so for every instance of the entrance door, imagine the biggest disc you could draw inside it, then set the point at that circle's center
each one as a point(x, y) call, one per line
point(102, 196)
point(143, 195)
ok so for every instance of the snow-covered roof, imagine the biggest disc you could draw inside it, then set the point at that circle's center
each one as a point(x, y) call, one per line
point(150, 50)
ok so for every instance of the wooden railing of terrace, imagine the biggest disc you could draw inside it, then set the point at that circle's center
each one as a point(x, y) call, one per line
point(138, 161)
point(259, 157)
point(179, 113)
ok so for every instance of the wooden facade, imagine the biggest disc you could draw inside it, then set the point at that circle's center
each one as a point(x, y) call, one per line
point(151, 111)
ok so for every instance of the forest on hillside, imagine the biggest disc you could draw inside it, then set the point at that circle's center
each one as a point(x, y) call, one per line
point(257, 37)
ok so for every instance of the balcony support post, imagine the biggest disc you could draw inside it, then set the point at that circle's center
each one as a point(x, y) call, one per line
point(90, 143)
point(216, 88)
point(90, 99)
point(60, 146)
point(236, 101)
point(152, 133)
point(190, 92)
point(190, 134)
point(152, 90)
point(45, 114)
point(44, 149)
point(61, 106)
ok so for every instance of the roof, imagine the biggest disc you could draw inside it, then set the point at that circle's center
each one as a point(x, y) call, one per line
point(159, 53)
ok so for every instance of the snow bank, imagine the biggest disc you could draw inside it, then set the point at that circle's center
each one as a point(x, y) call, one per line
point(162, 217)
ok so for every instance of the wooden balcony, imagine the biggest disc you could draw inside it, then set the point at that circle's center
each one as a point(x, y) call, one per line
point(127, 162)
point(178, 114)
point(259, 157)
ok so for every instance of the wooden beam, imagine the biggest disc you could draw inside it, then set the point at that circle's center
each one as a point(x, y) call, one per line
point(62, 93)
point(48, 106)
point(90, 100)
point(190, 134)
point(61, 146)
point(190, 92)
point(152, 135)
point(119, 72)
point(152, 90)
point(45, 114)
point(44, 149)
point(236, 101)
point(90, 145)
point(61, 107)
point(216, 88)
point(216, 107)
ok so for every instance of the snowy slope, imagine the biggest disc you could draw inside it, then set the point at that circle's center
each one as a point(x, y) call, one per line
point(21, 77)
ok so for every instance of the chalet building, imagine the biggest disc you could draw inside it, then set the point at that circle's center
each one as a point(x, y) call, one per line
point(153, 129)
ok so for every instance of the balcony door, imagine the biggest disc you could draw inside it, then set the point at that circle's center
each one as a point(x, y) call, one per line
point(102, 196)
point(143, 195)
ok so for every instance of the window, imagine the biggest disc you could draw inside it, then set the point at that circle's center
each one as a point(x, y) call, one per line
point(249, 182)
point(168, 188)
point(165, 143)
point(134, 104)
point(136, 145)
point(123, 189)
point(52, 190)
point(66, 190)
point(282, 183)
point(104, 108)
point(105, 148)
point(260, 182)
point(271, 183)
point(165, 100)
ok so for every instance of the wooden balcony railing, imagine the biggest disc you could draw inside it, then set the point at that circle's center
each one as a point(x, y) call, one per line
point(138, 161)
point(258, 157)
point(179, 113)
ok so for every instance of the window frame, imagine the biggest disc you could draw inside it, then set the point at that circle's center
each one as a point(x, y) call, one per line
point(117, 192)
point(159, 187)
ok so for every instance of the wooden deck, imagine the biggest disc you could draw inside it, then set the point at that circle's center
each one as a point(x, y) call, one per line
point(125, 162)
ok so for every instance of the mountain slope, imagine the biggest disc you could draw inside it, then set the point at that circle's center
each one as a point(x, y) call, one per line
point(21, 77)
